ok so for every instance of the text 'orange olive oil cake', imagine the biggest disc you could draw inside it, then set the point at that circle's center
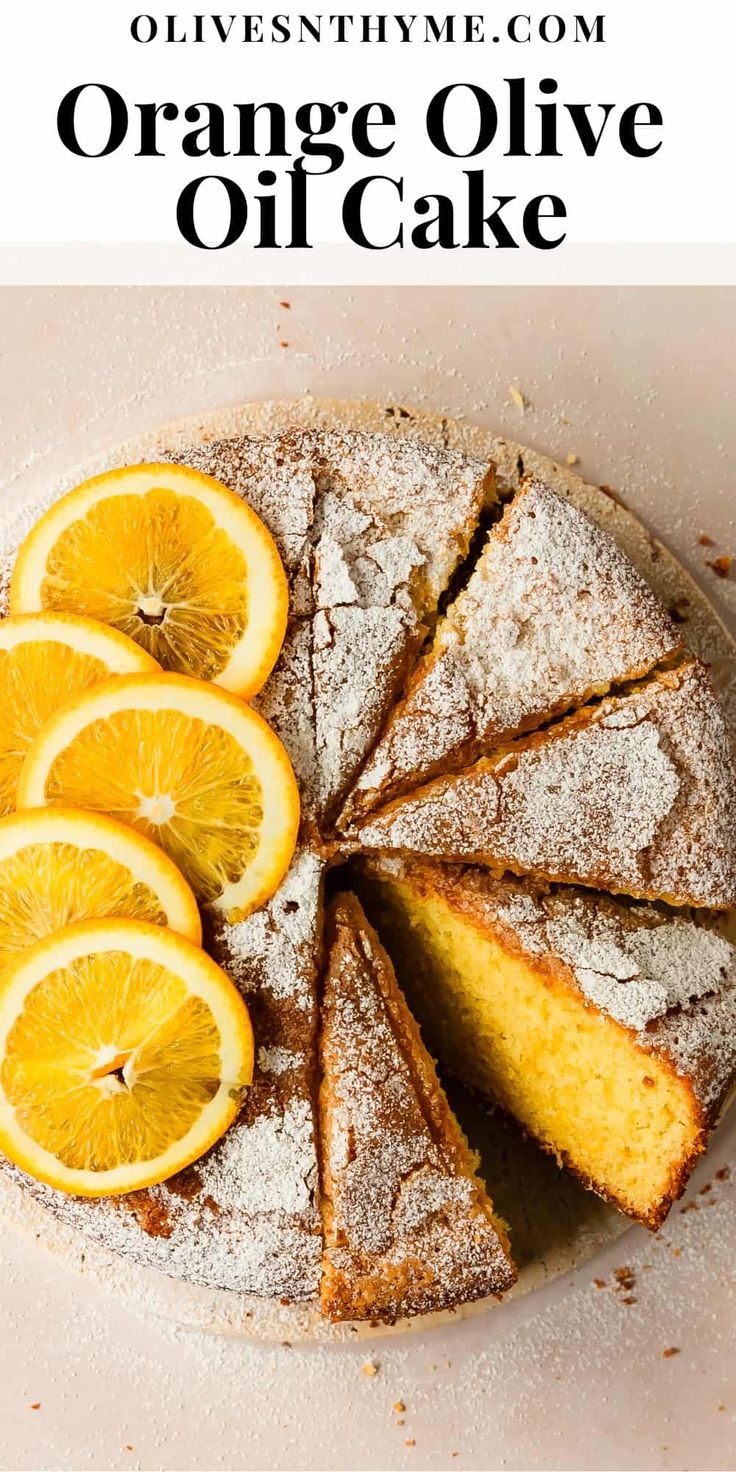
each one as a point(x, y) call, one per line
point(355, 735)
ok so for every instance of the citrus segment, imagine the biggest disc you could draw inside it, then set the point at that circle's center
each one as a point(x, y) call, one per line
point(58, 866)
point(124, 1054)
point(171, 558)
point(188, 765)
point(45, 660)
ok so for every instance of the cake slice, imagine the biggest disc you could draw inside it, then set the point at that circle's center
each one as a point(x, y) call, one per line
point(408, 1225)
point(287, 703)
point(607, 1029)
point(246, 1216)
point(636, 795)
point(370, 528)
point(393, 519)
point(275, 476)
point(553, 613)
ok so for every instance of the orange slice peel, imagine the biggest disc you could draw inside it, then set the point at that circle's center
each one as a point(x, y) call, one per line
point(173, 559)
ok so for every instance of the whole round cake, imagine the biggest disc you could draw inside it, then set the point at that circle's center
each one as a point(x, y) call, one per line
point(517, 860)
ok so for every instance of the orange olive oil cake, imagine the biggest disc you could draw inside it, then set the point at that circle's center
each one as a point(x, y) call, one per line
point(607, 1029)
point(581, 743)
point(408, 1224)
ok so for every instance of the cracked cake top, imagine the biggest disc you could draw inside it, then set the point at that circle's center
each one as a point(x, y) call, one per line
point(635, 795)
point(246, 1216)
point(406, 1221)
point(552, 614)
point(638, 791)
point(667, 978)
point(371, 528)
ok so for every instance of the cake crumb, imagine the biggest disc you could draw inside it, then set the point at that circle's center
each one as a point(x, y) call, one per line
point(625, 1278)
point(668, 1353)
point(411, 1441)
point(283, 344)
point(679, 610)
point(721, 566)
point(572, 459)
point(705, 540)
point(370, 1368)
point(518, 398)
point(724, 1174)
point(399, 1407)
point(286, 306)
point(599, 1282)
point(35, 1405)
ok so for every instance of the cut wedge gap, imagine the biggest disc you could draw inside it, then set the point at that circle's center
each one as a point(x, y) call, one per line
point(553, 614)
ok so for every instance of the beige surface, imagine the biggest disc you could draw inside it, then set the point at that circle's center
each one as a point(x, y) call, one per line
point(100, 350)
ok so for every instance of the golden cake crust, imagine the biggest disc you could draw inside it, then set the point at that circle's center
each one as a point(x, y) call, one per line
point(635, 795)
point(408, 1225)
point(665, 978)
point(246, 1216)
point(553, 613)
point(371, 528)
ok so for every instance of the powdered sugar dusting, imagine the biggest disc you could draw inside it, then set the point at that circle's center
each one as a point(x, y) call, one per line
point(416, 501)
point(636, 795)
point(277, 947)
point(357, 654)
point(670, 979)
point(400, 1207)
point(560, 796)
point(663, 965)
point(278, 1060)
point(287, 703)
point(392, 520)
point(370, 529)
point(274, 475)
point(643, 969)
point(255, 1167)
point(553, 612)
point(246, 1216)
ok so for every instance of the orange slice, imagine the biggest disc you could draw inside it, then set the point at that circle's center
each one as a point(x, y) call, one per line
point(45, 660)
point(171, 558)
point(188, 765)
point(124, 1054)
point(58, 865)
